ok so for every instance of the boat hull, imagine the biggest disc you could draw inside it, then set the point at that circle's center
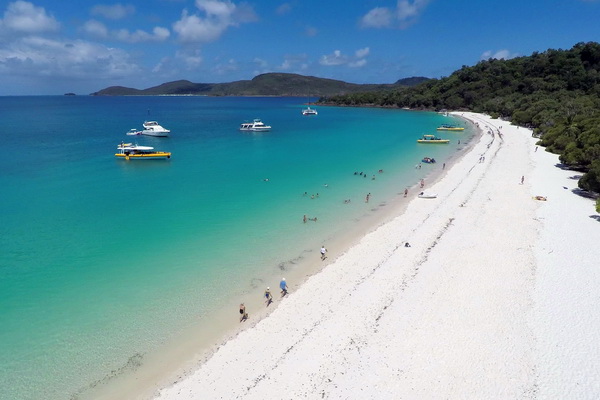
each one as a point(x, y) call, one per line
point(432, 141)
point(155, 133)
point(159, 155)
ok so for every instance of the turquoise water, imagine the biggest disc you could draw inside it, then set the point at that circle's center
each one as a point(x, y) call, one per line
point(102, 259)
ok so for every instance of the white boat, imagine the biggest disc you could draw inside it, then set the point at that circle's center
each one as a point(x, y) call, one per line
point(130, 151)
point(309, 111)
point(255, 126)
point(424, 195)
point(134, 132)
point(152, 128)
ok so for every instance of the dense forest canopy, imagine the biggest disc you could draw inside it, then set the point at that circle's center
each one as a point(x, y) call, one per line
point(556, 93)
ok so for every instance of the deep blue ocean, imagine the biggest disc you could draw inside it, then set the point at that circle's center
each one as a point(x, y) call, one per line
point(102, 258)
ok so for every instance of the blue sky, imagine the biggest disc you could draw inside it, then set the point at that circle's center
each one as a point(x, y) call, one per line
point(54, 47)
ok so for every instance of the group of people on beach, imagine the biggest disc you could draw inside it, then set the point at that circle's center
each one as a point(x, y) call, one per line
point(268, 298)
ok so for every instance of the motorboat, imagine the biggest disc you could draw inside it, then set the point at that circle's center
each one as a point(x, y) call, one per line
point(309, 111)
point(134, 132)
point(428, 160)
point(130, 151)
point(255, 126)
point(447, 127)
point(152, 128)
point(424, 195)
point(432, 139)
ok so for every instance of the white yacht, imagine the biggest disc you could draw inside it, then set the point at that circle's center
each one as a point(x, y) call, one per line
point(309, 111)
point(152, 128)
point(255, 126)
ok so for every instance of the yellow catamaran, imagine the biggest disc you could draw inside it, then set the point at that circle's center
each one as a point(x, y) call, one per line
point(450, 128)
point(130, 151)
point(432, 139)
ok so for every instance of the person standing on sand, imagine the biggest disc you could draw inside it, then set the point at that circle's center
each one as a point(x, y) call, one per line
point(283, 287)
point(422, 183)
point(522, 179)
point(268, 296)
point(405, 192)
point(323, 251)
point(243, 313)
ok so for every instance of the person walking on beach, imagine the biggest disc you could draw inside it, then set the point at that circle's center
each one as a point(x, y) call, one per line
point(283, 287)
point(243, 313)
point(405, 192)
point(522, 179)
point(268, 296)
point(368, 197)
point(422, 183)
point(323, 251)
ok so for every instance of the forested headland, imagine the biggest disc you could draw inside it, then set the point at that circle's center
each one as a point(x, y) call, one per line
point(556, 93)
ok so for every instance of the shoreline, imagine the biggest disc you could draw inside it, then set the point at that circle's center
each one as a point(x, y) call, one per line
point(463, 315)
point(175, 360)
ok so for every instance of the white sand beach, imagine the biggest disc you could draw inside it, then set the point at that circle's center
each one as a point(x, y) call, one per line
point(496, 297)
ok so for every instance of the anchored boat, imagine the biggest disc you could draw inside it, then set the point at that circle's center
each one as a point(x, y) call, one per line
point(447, 127)
point(152, 128)
point(130, 151)
point(255, 126)
point(432, 139)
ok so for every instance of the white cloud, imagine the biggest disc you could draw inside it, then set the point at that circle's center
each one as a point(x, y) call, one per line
point(335, 58)
point(358, 63)
point(193, 29)
point(378, 17)
point(405, 13)
point(286, 65)
point(498, 55)
point(158, 34)
point(98, 30)
point(40, 57)
point(292, 62)
point(408, 9)
point(361, 53)
point(219, 9)
point(95, 28)
point(115, 11)
point(218, 16)
point(25, 18)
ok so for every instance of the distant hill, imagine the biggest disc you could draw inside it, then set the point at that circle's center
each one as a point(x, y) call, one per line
point(413, 81)
point(271, 84)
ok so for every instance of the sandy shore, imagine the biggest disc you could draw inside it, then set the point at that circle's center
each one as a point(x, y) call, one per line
point(496, 297)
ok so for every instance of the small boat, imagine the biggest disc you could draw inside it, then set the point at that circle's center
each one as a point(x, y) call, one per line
point(447, 127)
point(130, 151)
point(309, 111)
point(152, 128)
point(428, 160)
point(424, 195)
point(432, 139)
point(255, 126)
point(134, 132)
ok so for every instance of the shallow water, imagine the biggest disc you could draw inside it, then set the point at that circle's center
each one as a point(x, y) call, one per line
point(103, 260)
